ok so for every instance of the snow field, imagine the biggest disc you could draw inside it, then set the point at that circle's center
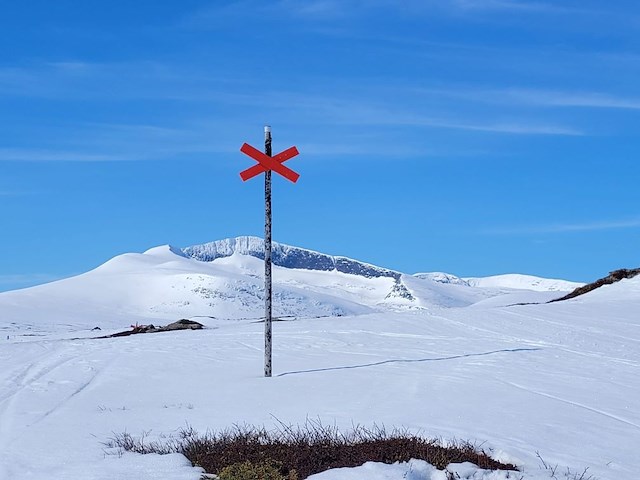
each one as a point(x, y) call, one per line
point(453, 376)
point(458, 362)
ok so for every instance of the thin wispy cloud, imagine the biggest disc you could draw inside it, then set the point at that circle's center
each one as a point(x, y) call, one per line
point(362, 114)
point(508, 128)
point(509, 5)
point(326, 9)
point(97, 81)
point(95, 142)
point(540, 97)
point(336, 9)
point(218, 14)
point(565, 227)
point(43, 155)
point(524, 100)
point(350, 111)
point(312, 10)
point(369, 149)
point(156, 81)
point(573, 99)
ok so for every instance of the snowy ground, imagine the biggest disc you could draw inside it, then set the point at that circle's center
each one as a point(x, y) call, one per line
point(559, 379)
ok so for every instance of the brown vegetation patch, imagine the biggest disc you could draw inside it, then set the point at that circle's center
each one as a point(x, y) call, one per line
point(314, 448)
point(613, 277)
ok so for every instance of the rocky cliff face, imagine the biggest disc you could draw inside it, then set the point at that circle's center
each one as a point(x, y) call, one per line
point(285, 256)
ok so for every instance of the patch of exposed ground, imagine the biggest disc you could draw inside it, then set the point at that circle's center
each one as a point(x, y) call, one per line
point(613, 277)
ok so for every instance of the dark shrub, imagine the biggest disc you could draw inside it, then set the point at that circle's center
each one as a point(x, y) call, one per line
point(304, 451)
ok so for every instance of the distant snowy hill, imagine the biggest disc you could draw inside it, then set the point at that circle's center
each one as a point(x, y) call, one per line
point(442, 277)
point(224, 280)
point(523, 282)
point(508, 281)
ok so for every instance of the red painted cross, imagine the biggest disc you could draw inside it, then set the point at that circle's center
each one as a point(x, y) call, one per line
point(266, 163)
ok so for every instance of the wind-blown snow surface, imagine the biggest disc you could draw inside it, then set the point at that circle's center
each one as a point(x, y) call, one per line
point(560, 379)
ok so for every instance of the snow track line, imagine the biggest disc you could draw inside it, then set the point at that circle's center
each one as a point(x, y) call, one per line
point(44, 365)
point(418, 360)
point(21, 379)
point(586, 330)
point(82, 387)
point(622, 361)
point(22, 382)
point(250, 347)
point(584, 353)
point(468, 326)
point(576, 404)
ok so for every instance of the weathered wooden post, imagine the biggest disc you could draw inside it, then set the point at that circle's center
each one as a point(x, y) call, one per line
point(267, 163)
point(268, 311)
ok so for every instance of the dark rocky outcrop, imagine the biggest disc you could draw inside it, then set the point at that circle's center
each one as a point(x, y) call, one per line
point(183, 324)
point(285, 256)
point(613, 277)
point(399, 290)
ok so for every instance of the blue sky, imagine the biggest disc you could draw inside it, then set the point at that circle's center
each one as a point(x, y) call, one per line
point(475, 137)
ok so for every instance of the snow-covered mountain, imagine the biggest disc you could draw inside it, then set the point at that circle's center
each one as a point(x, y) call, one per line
point(224, 280)
point(431, 353)
point(507, 281)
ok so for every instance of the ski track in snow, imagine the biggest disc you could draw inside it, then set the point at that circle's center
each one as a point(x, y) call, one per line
point(38, 377)
point(39, 368)
point(575, 404)
point(33, 373)
point(78, 390)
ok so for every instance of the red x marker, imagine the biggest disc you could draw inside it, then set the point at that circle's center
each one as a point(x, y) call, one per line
point(266, 163)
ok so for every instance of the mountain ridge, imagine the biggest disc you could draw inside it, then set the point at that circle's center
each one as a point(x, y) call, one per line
point(224, 280)
point(286, 256)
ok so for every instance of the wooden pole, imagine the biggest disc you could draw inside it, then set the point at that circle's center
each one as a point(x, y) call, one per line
point(267, 258)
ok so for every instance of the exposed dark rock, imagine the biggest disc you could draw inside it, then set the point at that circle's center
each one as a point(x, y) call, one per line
point(613, 277)
point(399, 290)
point(183, 324)
point(285, 256)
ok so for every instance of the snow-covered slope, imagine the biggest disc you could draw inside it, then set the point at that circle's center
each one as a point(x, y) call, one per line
point(163, 284)
point(557, 379)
